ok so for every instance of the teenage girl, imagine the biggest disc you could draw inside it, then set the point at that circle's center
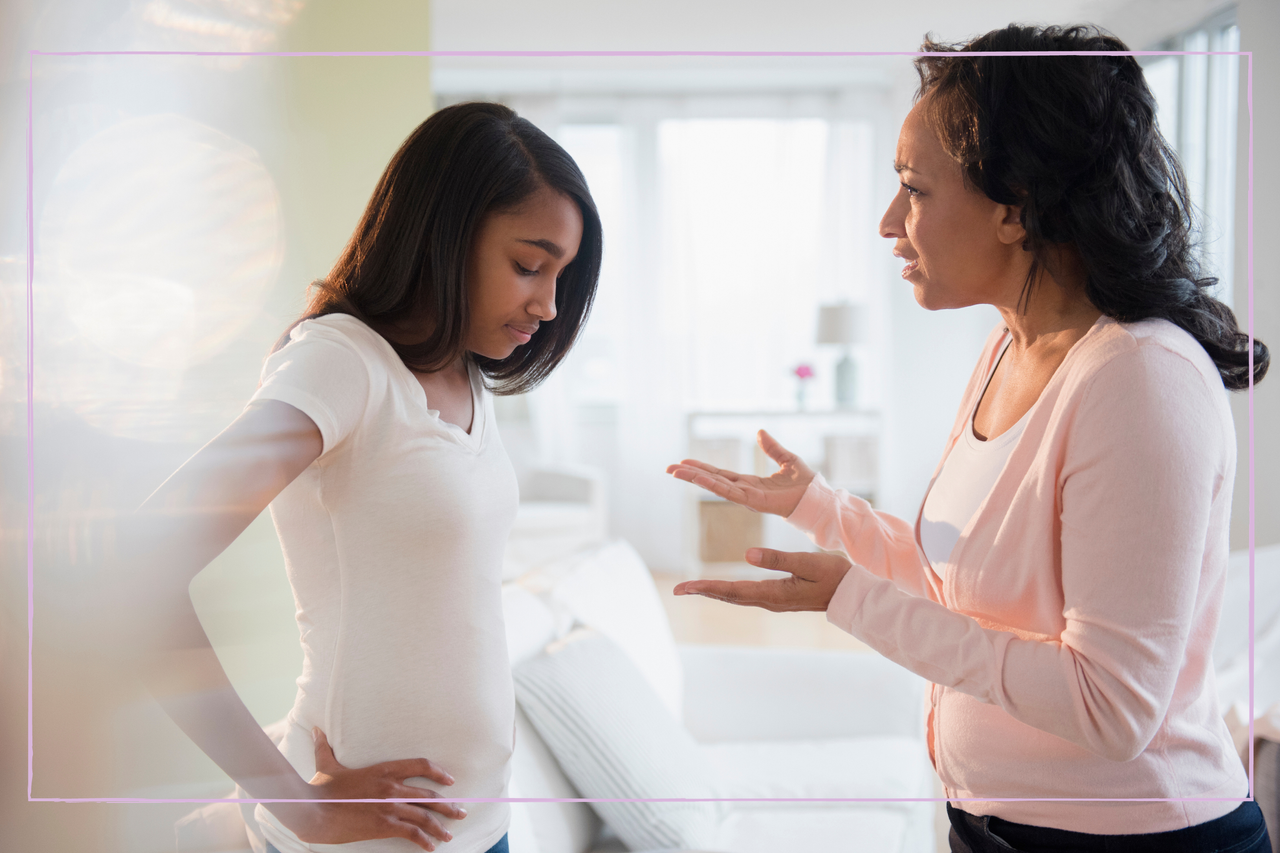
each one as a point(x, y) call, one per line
point(372, 439)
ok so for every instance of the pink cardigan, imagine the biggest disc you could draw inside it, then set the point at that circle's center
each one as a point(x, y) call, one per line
point(1068, 639)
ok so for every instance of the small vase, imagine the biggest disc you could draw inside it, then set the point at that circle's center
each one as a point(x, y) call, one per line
point(802, 388)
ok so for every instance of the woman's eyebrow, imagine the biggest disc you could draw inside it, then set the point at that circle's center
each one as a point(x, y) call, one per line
point(547, 246)
point(903, 167)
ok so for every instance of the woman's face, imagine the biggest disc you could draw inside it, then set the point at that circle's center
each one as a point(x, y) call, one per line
point(961, 247)
point(516, 259)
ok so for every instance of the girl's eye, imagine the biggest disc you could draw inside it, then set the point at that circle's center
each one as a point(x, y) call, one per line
point(522, 271)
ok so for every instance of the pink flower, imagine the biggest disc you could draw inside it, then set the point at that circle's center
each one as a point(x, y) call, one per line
point(804, 371)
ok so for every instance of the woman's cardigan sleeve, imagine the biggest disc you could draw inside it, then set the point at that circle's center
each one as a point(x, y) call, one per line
point(1144, 460)
point(884, 544)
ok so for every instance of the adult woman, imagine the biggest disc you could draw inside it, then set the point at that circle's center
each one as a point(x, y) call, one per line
point(1062, 584)
point(372, 437)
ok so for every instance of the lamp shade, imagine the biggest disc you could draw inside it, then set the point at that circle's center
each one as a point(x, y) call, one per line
point(841, 323)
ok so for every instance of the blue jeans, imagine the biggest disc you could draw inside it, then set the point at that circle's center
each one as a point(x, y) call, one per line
point(500, 847)
point(1241, 831)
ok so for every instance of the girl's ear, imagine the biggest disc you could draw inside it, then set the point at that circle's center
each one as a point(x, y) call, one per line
point(1009, 227)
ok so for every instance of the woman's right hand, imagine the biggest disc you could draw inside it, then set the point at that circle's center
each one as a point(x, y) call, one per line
point(338, 823)
point(778, 494)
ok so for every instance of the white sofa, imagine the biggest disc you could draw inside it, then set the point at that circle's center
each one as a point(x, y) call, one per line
point(774, 723)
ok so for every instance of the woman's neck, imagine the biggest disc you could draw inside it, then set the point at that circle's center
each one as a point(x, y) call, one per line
point(1055, 312)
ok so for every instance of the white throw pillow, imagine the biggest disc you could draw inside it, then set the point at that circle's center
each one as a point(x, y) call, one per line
point(615, 740)
point(610, 589)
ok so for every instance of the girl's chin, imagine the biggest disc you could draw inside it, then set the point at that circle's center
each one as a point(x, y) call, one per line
point(495, 352)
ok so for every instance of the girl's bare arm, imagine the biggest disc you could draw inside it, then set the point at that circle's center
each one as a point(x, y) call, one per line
point(182, 526)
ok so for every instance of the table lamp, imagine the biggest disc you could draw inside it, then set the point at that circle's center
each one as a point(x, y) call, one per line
point(845, 324)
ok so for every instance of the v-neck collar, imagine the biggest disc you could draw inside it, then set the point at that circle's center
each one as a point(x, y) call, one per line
point(474, 440)
point(471, 440)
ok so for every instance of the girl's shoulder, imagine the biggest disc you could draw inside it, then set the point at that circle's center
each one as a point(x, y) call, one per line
point(351, 334)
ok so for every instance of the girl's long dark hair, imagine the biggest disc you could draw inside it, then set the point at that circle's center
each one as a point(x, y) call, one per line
point(404, 271)
point(1074, 141)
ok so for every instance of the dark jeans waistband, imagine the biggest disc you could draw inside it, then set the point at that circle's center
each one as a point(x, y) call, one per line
point(1240, 831)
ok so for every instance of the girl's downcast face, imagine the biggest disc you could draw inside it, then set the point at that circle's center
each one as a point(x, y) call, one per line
point(517, 257)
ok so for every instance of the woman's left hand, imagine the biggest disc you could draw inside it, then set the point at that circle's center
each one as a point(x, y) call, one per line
point(813, 581)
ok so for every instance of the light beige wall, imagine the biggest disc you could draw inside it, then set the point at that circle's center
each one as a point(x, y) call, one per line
point(325, 128)
point(345, 116)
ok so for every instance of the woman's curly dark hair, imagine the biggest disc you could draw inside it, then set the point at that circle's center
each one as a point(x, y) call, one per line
point(1074, 141)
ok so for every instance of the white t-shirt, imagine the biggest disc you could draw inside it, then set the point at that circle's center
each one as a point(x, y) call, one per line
point(966, 478)
point(393, 542)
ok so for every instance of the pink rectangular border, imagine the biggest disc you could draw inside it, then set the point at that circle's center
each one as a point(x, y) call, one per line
point(585, 53)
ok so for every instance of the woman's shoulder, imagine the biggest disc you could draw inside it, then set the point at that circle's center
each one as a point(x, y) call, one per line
point(1164, 348)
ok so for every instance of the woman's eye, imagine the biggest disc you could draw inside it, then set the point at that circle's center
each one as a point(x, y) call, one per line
point(522, 270)
point(910, 189)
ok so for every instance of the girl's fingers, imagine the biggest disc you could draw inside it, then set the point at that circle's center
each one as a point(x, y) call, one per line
point(409, 792)
point(422, 819)
point(408, 767)
point(452, 810)
point(414, 834)
point(326, 762)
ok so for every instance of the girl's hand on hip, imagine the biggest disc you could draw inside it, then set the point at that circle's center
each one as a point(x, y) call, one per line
point(813, 581)
point(778, 494)
point(339, 823)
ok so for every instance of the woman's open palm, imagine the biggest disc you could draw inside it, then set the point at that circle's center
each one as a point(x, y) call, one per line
point(779, 493)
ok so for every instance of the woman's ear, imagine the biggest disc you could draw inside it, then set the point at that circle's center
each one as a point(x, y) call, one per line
point(1009, 227)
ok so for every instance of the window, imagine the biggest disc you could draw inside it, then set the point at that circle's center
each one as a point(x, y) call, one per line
point(1198, 98)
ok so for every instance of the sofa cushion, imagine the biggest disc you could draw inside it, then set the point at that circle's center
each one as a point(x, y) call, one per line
point(615, 740)
point(610, 589)
point(557, 827)
point(529, 622)
point(847, 768)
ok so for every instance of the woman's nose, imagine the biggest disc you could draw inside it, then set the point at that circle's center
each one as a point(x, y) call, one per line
point(891, 224)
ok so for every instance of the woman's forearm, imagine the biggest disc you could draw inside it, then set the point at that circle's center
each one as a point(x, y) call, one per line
point(884, 544)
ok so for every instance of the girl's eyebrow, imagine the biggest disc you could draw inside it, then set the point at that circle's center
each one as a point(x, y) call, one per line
point(547, 246)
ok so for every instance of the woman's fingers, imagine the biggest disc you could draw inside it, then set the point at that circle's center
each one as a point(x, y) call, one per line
point(749, 593)
point(685, 464)
point(717, 484)
point(810, 566)
point(813, 581)
point(774, 450)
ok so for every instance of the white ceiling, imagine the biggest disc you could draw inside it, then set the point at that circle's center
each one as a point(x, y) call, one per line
point(744, 25)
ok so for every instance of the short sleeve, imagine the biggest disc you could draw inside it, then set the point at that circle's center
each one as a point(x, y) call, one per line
point(322, 373)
